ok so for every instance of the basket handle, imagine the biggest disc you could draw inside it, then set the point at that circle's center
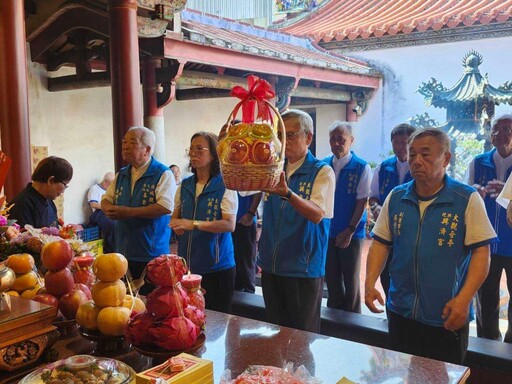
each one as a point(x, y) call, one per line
point(280, 125)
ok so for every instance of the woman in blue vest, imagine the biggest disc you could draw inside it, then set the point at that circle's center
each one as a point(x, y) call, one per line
point(204, 217)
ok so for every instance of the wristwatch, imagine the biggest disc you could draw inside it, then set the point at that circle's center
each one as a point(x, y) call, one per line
point(288, 195)
point(351, 227)
point(196, 224)
point(373, 206)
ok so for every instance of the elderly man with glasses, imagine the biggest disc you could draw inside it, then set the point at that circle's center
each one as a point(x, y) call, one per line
point(488, 173)
point(141, 199)
point(293, 243)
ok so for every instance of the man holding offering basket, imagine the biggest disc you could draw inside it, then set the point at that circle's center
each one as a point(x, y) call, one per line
point(293, 244)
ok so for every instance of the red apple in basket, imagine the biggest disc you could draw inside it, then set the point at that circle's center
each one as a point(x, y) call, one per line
point(238, 152)
point(69, 303)
point(263, 153)
point(56, 255)
point(47, 299)
point(59, 282)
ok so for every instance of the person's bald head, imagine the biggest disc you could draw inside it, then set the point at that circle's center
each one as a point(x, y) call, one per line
point(108, 178)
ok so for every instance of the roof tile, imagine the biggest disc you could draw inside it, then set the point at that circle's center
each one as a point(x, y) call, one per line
point(363, 19)
point(210, 30)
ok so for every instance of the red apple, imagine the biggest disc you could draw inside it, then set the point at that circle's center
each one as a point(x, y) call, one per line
point(85, 289)
point(59, 282)
point(238, 152)
point(47, 299)
point(263, 153)
point(69, 303)
point(56, 255)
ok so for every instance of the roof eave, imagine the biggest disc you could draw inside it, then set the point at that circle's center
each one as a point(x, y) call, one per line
point(186, 50)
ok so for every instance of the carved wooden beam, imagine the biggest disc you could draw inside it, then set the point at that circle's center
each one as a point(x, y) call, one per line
point(201, 93)
point(210, 80)
point(89, 80)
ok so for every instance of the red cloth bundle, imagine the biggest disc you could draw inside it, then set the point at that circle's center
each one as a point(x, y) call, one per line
point(167, 302)
point(175, 333)
point(166, 270)
point(138, 328)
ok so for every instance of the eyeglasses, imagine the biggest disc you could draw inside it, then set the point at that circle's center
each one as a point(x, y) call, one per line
point(196, 150)
point(64, 184)
point(290, 135)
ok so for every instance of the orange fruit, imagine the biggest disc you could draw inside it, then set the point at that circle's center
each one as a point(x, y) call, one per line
point(20, 263)
point(110, 266)
point(87, 315)
point(134, 303)
point(112, 321)
point(25, 281)
point(108, 294)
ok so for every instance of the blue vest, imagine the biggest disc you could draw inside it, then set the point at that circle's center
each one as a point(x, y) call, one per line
point(205, 252)
point(430, 262)
point(291, 245)
point(141, 239)
point(345, 197)
point(485, 171)
point(389, 177)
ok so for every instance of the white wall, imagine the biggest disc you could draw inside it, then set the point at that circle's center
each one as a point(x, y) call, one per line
point(325, 116)
point(75, 125)
point(405, 69)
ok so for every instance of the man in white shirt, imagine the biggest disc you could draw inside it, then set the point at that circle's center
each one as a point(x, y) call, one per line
point(487, 173)
point(293, 243)
point(348, 225)
point(141, 200)
point(441, 237)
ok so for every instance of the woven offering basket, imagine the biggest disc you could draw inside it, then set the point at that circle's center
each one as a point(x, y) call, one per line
point(249, 176)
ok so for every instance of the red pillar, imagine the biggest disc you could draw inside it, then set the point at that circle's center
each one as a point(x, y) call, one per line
point(124, 71)
point(153, 115)
point(14, 95)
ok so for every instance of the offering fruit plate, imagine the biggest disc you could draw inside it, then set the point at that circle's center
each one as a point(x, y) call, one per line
point(160, 355)
point(85, 367)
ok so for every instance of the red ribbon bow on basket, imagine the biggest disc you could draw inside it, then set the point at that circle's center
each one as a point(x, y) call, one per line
point(258, 93)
